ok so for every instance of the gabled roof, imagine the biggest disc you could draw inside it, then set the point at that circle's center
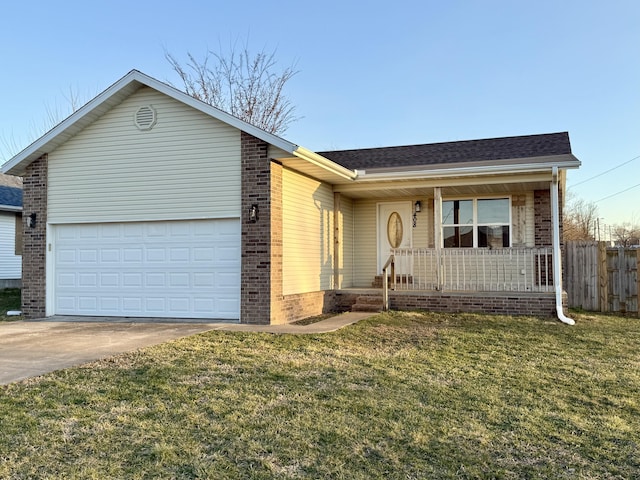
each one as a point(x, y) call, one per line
point(10, 198)
point(491, 149)
point(113, 96)
point(464, 157)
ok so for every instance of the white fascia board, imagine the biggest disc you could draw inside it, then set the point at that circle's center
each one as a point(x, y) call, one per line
point(125, 87)
point(363, 176)
point(325, 163)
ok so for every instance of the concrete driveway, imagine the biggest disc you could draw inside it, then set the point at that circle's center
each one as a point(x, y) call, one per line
point(29, 349)
point(32, 348)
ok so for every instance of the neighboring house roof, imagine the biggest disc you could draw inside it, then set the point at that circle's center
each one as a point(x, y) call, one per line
point(491, 149)
point(10, 198)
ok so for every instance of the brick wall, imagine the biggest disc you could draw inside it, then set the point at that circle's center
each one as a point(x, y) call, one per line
point(255, 284)
point(34, 247)
point(502, 303)
point(304, 305)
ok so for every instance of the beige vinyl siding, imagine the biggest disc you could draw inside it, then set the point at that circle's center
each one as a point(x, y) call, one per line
point(423, 231)
point(307, 238)
point(186, 166)
point(346, 243)
point(365, 256)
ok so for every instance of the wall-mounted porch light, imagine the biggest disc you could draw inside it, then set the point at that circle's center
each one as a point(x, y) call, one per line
point(253, 213)
point(417, 207)
point(31, 220)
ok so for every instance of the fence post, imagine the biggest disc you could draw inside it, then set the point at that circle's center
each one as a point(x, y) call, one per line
point(622, 294)
point(603, 278)
point(638, 280)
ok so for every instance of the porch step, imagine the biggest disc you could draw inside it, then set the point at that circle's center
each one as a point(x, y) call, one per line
point(400, 279)
point(368, 303)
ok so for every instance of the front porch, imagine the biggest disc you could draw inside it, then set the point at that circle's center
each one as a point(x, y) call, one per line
point(512, 281)
point(514, 269)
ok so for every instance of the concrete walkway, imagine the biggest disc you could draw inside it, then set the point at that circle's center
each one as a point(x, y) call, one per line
point(35, 347)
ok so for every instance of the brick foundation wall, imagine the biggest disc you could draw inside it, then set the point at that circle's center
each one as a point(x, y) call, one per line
point(510, 303)
point(304, 305)
point(34, 247)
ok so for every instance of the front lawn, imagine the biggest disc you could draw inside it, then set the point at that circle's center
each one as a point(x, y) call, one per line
point(399, 396)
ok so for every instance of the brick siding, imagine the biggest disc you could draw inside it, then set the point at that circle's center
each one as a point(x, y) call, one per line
point(542, 217)
point(34, 248)
point(255, 283)
point(304, 305)
point(502, 303)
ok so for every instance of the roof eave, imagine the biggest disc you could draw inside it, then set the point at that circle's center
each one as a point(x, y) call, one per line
point(567, 161)
point(325, 163)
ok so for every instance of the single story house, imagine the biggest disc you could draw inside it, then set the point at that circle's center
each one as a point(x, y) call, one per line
point(10, 234)
point(149, 203)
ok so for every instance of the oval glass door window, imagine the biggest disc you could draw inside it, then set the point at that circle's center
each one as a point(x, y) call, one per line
point(394, 230)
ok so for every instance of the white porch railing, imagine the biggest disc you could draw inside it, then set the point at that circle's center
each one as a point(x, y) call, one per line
point(515, 269)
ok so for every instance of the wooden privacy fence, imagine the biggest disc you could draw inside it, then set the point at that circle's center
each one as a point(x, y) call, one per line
point(602, 278)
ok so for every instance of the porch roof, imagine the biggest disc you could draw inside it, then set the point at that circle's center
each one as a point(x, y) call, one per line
point(516, 149)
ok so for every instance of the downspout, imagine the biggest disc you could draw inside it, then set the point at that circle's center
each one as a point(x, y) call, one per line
point(557, 261)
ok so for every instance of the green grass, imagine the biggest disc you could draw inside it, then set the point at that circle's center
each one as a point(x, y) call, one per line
point(399, 396)
point(9, 300)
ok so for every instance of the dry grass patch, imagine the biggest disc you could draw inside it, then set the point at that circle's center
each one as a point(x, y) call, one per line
point(400, 396)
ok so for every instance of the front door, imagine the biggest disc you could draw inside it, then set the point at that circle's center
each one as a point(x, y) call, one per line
point(394, 231)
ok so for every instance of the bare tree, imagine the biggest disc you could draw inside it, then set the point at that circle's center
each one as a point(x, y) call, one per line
point(55, 113)
point(626, 234)
point(243, 84)
point(580, 219)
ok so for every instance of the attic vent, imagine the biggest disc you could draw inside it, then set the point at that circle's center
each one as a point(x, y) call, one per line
point(145, 117)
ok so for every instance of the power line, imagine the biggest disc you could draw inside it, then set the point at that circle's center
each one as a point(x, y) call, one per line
point(606, 171)
point(617, 193)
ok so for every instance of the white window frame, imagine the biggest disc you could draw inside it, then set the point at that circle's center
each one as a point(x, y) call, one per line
point(475, 223)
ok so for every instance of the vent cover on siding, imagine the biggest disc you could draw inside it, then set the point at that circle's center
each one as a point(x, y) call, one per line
point(145, 117)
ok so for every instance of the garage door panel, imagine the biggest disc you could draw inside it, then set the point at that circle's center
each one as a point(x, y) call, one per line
point(187, 269)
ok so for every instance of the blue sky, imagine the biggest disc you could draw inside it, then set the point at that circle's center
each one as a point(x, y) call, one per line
point(370, 73)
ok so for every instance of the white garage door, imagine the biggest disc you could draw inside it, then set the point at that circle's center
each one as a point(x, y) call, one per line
point(182, 269)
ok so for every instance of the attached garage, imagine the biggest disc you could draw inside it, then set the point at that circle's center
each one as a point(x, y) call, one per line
point(180, 269)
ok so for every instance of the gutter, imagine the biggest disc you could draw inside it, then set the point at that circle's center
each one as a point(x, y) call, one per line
point(363, 176)
point(324, 163)
point(557, 263)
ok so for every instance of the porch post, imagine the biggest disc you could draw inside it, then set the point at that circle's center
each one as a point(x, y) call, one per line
point(337, 240)
point(437, 234)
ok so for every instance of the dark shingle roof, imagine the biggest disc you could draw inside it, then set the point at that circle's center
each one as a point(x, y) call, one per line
point(453, 152)
point(10, 196)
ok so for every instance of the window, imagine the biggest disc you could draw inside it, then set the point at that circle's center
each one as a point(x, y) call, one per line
point(477, 222)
